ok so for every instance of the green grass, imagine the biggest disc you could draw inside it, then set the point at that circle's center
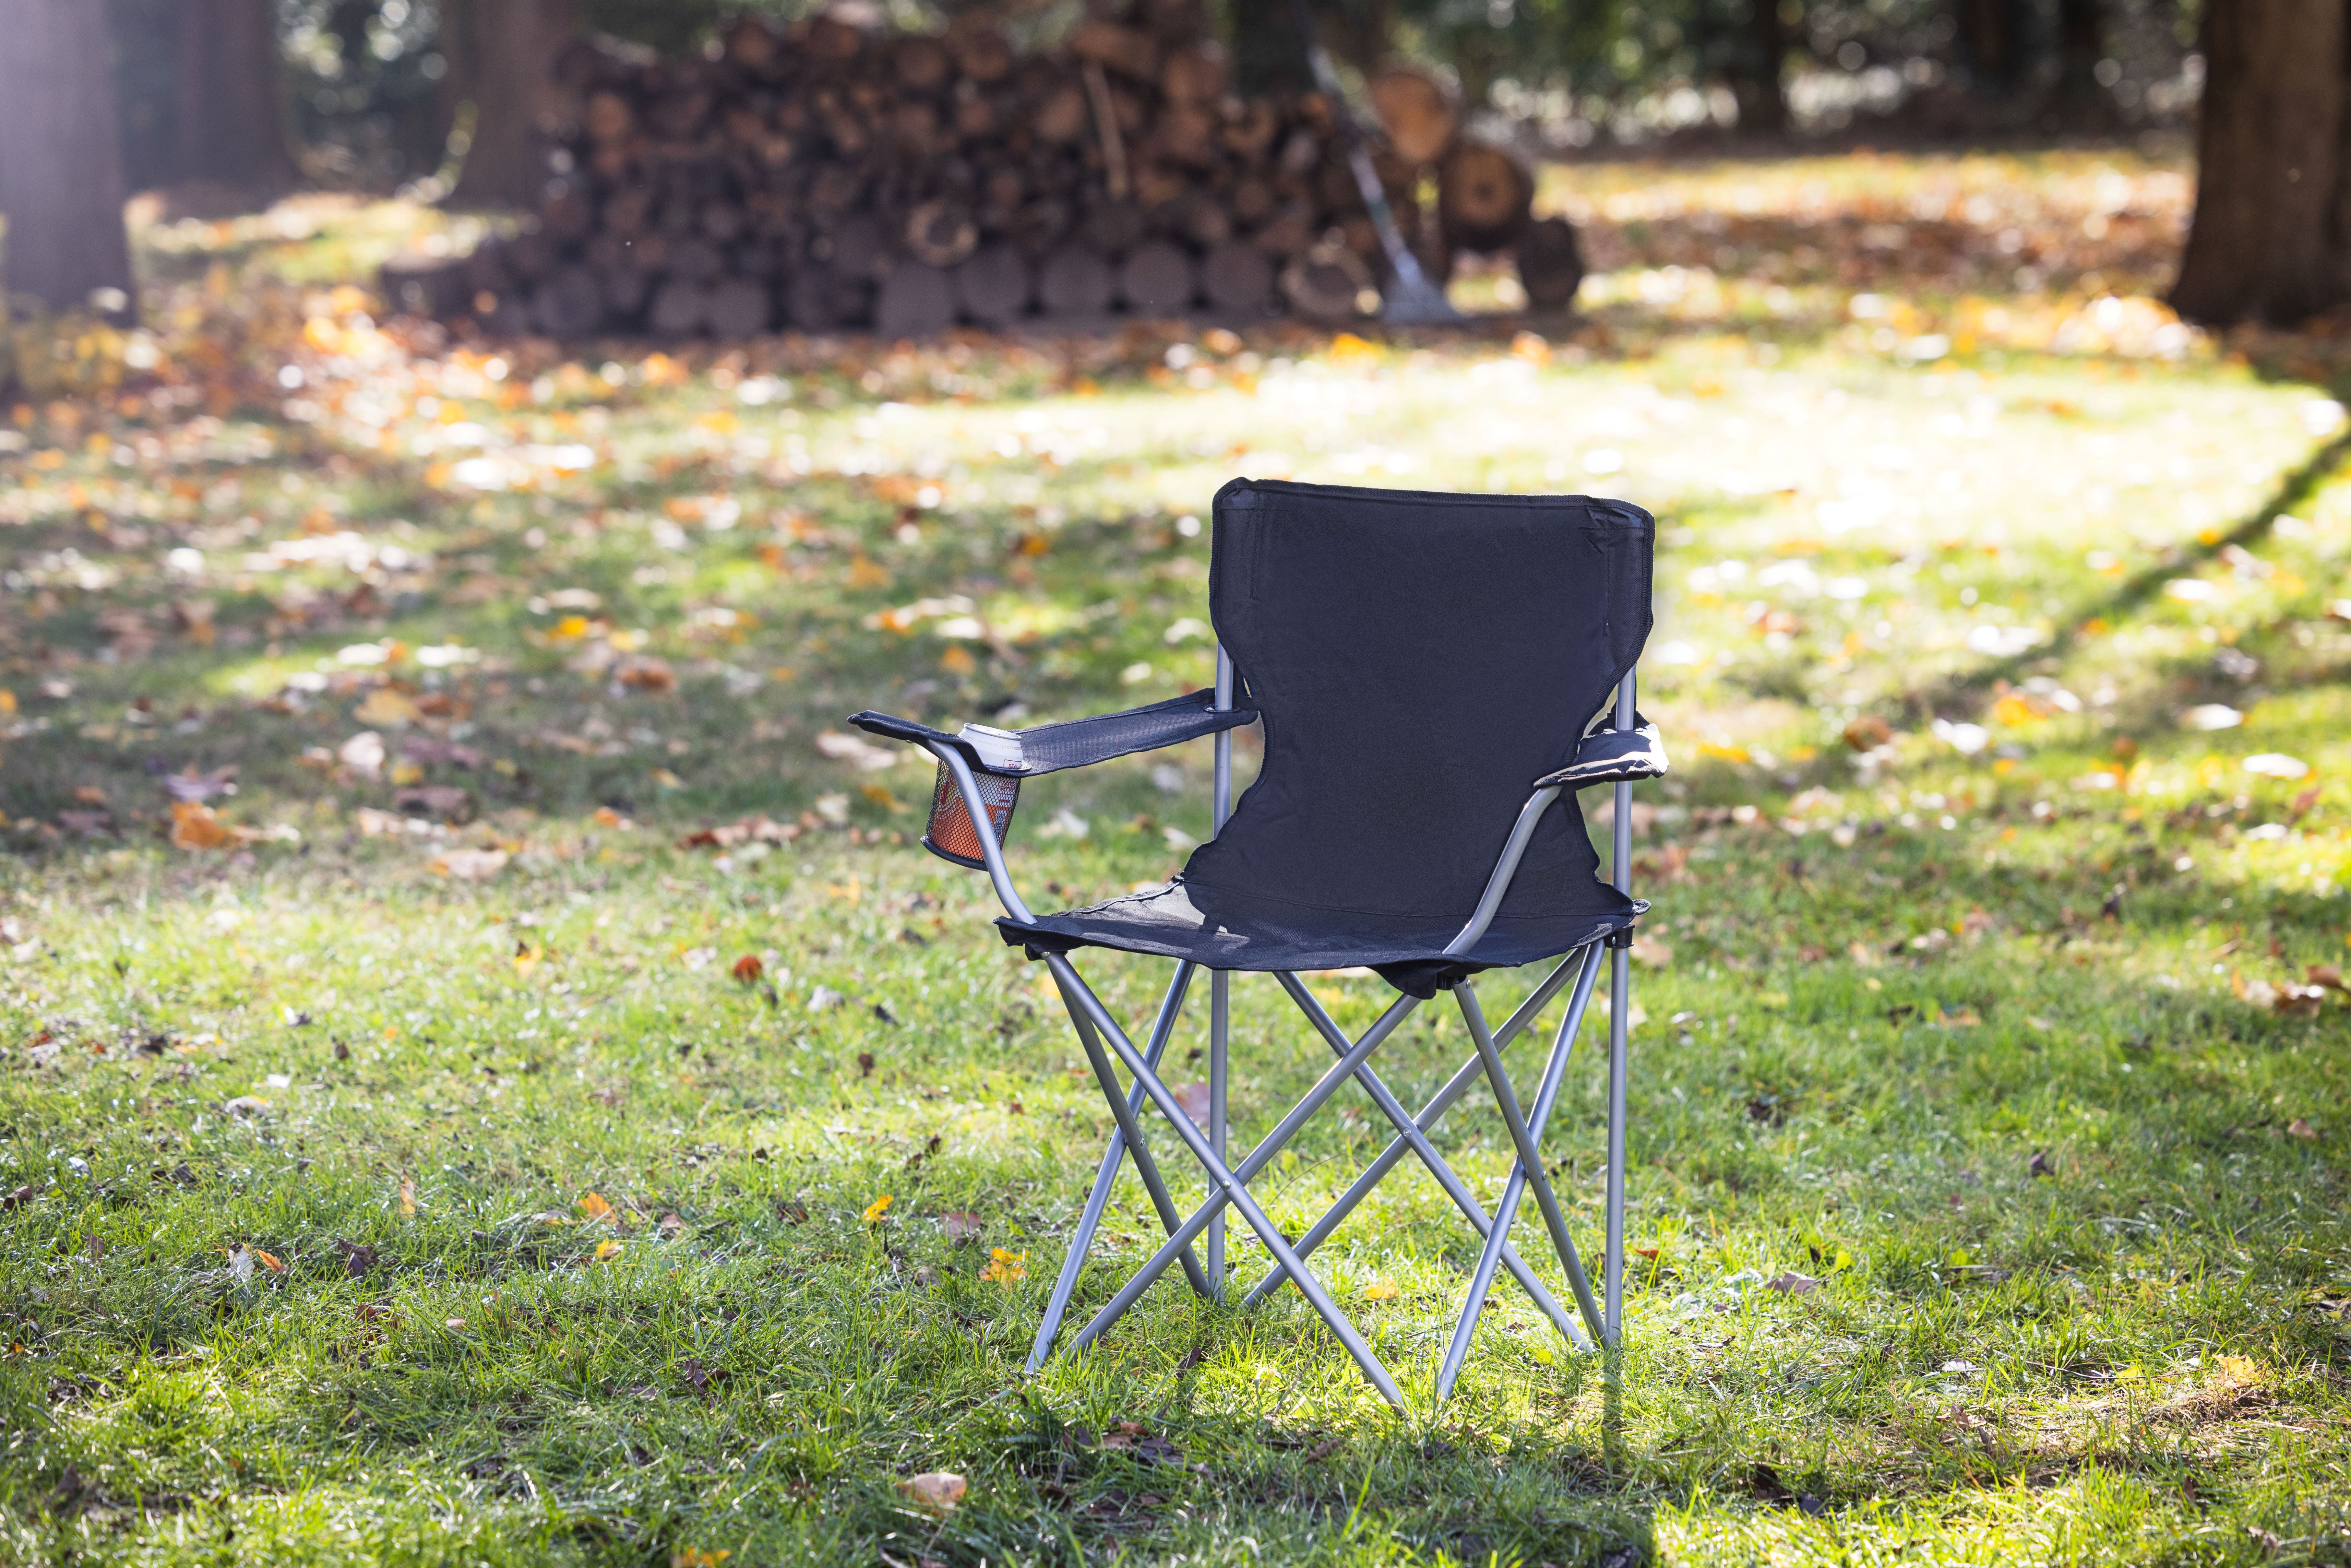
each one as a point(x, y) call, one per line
point(1983, 1040)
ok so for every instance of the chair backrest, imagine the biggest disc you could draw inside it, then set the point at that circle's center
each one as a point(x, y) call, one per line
point(1419, 660)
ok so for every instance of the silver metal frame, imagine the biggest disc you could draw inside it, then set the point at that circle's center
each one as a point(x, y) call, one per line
point(1100, 1037)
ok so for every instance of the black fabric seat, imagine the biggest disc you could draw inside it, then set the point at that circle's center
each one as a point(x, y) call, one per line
point(1419, 662)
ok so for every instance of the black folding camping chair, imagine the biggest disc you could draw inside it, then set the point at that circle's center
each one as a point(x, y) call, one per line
point(1437, 675)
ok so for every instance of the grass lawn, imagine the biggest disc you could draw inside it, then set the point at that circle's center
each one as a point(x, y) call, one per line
point(487, 1074)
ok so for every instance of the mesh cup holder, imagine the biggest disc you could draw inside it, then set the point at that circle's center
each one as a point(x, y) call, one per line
point(951, 834)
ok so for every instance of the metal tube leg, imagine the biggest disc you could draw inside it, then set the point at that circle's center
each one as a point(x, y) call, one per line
point(1220, 998)
point(1438, 1170)
point(1234, 1187)
point(1430, 1114)
point(1144, 1166)
point(1620, 1015)
point(1506, 1212)
point(1220, 982)
point(1530, 1157)
point(1082, 1240)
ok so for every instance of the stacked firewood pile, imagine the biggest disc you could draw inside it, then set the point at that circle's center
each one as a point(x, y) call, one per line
point(820, 177)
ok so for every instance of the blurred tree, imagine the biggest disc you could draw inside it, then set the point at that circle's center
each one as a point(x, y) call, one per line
point(2271, 205)
point(230, 107)
point(504, 52)
point(61, 158)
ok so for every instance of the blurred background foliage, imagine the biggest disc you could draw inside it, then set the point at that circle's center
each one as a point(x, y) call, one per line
point(372, 106)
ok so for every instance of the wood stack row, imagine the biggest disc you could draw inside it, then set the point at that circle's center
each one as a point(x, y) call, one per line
point(822, 177)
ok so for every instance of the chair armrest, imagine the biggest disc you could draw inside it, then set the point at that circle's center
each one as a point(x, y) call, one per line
point(1613, 756)
point(1081, 742)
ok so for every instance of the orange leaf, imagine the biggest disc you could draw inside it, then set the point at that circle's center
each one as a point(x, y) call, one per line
point(194, 826)
point(268, 1262)
point(594, 1206)
point(748, 968)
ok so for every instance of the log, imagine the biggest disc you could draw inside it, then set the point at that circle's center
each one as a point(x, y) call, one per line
point(994, 289)
point(1485, 197)
point(1415, 111)
point(1122, 49)
point(1236, 276)
point(679, 310)
point(1115, 227)
point(570, 304)
point(626, 289)
point(740, 307)
point(1194, 75)
point(941, 232)
point(923, 64)
point(1551, 264)
point(1158, 279)
point(916, 301)
point(1330, 284)
point(819, 299)
point(982, 54)
point(1074, 281)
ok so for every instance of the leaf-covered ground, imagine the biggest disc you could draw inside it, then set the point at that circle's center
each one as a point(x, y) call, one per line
point(489, 1078)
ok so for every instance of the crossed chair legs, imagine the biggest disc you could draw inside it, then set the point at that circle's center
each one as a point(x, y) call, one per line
point(1228, 1184)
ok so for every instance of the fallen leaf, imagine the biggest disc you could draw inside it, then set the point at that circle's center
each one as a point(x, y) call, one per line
point(606, 1251)
point(792, 1211)
point(1793, 1283)
point(749, 969)
point(407, 1204)
point(194, 826)
point(935, 1492)
point(878, 1208)
point(595, 1208)
point(1193, 1098)
point(1004, 1268)
point(2039, 1165)
point(268, 1262)
point(387, 708)
point(696, 1557)
point(2301, 1129)
point(962, 1227)
point(358, 1258)
point(1379, 1291)
point(1957, 1018)
point(240, 1264)
point(470, 865)
point(1650, 953)
point(2327, 975)
point(245, 1105)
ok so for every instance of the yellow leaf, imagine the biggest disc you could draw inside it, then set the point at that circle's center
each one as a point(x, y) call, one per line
point(571, 629)
point(2239, 1368)
point(1004, 1268)
point(594, 1206)
point(696, 1557)
point(526, 958)
point(866, 572)
point(878, 1208)
point(957, 662)
point(1381, 1291)
point(408, 1197)
point(407, 773)
point(7, 701)
point(607, 1250)
point(386, 709)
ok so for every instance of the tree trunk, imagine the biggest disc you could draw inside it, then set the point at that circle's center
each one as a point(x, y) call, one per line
point(1759, 87)
point(232, 128)
point(2080, 102)
point(1993, 40)
point(2269, 162)
point(512, 45)
point(60, 155)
